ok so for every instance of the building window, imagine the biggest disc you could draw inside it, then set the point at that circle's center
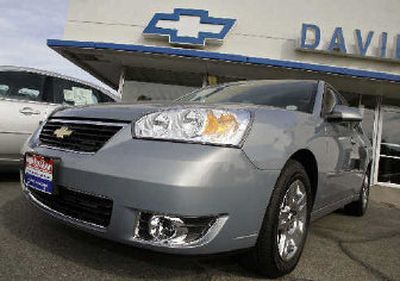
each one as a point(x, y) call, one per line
point(389, 158)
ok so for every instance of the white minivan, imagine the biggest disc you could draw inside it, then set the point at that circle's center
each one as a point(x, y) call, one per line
point(28, 95)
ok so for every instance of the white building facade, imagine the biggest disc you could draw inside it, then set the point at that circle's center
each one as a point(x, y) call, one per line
point(162, 49)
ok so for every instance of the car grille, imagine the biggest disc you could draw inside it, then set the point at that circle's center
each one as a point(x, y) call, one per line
point(81, 206)
point(78, 135)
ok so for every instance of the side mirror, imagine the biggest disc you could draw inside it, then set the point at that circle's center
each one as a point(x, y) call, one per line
point(344, 113)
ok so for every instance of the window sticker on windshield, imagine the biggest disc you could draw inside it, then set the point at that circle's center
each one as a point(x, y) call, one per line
point(3, 90)
point(291, 107)
point(79, 96)
point(33, 93)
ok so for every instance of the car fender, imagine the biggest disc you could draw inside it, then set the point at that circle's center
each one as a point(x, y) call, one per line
point(276, 135)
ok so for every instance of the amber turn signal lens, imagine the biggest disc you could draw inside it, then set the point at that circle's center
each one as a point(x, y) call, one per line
point(220, 125)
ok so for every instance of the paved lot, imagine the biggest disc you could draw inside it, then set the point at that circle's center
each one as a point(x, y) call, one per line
point(34, 247)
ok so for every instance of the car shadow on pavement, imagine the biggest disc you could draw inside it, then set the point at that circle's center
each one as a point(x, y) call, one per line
point(36, 229)
point(339, 247)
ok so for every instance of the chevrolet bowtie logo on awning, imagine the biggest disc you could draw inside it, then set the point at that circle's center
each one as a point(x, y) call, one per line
point(189, 27)
point(62, 132)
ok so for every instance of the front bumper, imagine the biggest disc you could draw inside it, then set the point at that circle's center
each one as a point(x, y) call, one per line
point(168, 178)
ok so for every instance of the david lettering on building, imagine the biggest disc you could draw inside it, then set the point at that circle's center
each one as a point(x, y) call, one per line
point(366, 44)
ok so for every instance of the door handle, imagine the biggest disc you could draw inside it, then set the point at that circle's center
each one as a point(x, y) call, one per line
point(29, 111)
point(353, 141)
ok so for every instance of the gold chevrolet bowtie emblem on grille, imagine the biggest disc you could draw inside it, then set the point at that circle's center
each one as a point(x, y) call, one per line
point(62, 132)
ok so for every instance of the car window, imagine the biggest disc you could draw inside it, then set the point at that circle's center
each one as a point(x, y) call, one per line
point(21, 85)
point(358, 128)
point(329, 101)
point(298, 95)
point(341, 99)
point(75, 94)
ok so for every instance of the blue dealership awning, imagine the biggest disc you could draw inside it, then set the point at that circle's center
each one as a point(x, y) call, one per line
point(185, 66)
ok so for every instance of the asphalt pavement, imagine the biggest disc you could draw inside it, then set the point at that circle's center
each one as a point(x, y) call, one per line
point(36, 247)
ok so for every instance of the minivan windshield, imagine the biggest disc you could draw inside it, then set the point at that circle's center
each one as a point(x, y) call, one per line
point(290, 95)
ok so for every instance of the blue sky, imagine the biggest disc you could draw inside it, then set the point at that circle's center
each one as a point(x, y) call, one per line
point(25, 25)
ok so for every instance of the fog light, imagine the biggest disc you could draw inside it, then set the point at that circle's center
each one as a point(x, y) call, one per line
point(173, 231)
point(167, 229)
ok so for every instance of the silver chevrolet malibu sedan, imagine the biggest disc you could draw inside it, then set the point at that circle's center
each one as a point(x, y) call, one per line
point(244, 165)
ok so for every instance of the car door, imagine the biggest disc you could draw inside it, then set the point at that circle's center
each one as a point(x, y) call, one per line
point(357, 163)
point(23, 106)
point(340, 151)
point(360, 156)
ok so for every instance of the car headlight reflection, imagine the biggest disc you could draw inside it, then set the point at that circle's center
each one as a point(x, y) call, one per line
point(200, 125)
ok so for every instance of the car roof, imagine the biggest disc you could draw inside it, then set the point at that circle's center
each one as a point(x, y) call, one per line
point(4, 68)
point(273, 82)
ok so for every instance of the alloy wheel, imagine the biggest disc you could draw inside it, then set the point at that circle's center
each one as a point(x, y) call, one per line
point(365, 192)
point(292, 220)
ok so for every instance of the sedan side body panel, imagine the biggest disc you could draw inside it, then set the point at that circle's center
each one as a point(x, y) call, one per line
point(279, 134)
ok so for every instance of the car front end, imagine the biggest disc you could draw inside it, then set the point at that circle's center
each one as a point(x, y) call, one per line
point(122, 178)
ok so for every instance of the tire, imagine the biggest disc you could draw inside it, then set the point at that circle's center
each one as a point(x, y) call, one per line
point(359, 208)
point(268, 257)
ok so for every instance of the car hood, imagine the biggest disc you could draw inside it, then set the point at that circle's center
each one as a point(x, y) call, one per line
point(132, 112)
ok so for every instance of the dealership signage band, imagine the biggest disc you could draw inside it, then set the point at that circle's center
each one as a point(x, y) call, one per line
point(190, 27)
point(194, 28)
point(311, 41)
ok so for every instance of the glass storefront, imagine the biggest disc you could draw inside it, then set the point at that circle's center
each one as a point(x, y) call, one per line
point(381, 123)
point(368, 107)
point(389, 158)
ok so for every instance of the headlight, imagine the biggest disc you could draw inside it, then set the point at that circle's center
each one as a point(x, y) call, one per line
point(199, 125)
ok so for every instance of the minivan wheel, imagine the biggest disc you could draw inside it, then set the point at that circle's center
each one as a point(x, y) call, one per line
point(359, 208)
point(284, 230)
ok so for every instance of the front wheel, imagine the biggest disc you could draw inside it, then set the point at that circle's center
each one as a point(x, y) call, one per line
point(284, 230)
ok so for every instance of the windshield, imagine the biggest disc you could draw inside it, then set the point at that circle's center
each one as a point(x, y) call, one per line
point(290, 95)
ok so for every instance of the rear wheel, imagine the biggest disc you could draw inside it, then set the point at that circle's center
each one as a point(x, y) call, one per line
point(358, 208)
point(284, 230)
